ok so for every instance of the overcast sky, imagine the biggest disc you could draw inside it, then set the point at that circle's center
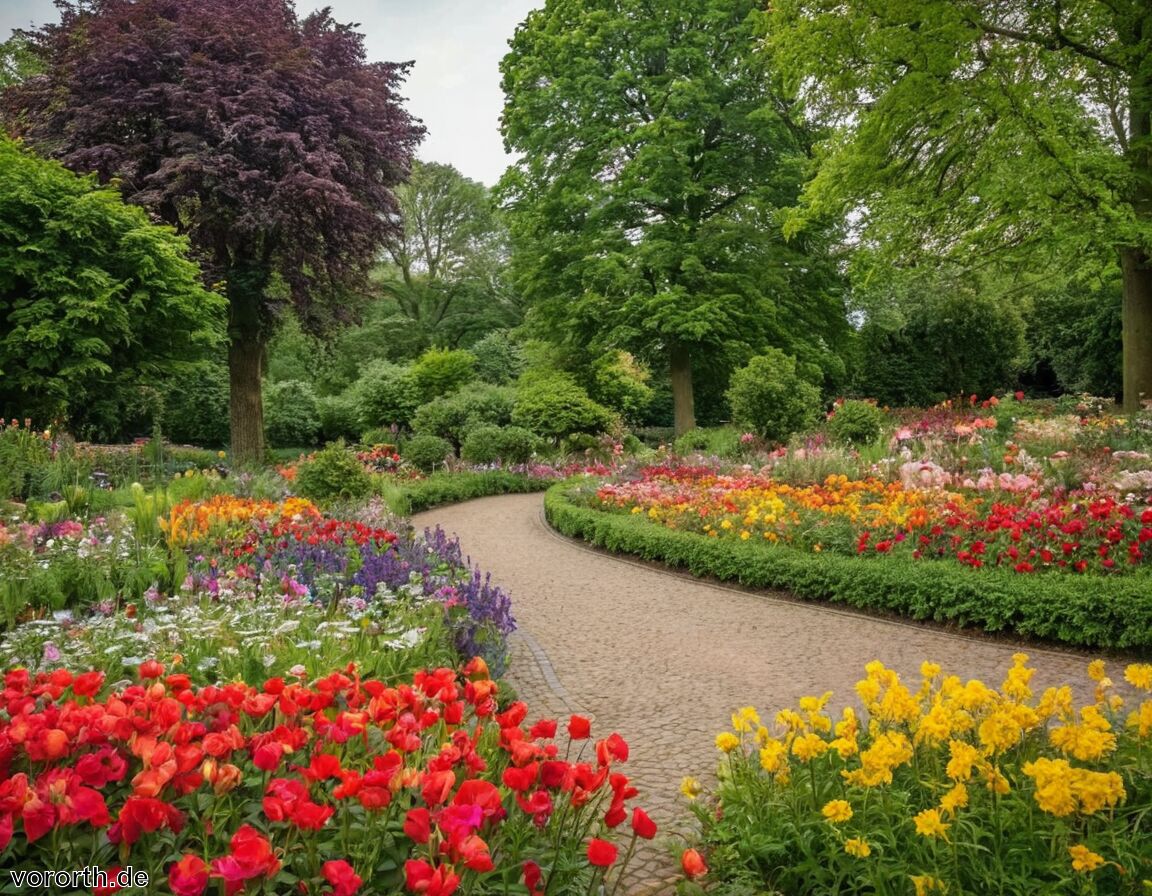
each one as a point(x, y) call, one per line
point(455, 85)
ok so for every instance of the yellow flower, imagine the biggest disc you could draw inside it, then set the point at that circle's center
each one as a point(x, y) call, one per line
point(929, 670)
point(745, 719)
point(995, 781)
point(1000, 731)
point(964, 756)
point(691, 788)
point(837, 811)
point(858, 848)
point(809, 746)
point(926, 884)
point(1141, 720)
point(772, 756)
point(1090, 740)
point(726, 741)
point(930, 824)
point(1083, 859)
point(1139, 675)
point(1096, 670)
point(956, 798)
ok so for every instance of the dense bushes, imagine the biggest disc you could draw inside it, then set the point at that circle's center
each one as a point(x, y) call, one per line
point(442, 371)
point(499, 358)
point(510, 444)
point(332, 473)
point(386, 393)
point(291, 414)
point(426, 451)
point(553, 405)
point(771, 398)
point(452, 416)
point(196, 406)
point(1110, 613)
point(856, 422)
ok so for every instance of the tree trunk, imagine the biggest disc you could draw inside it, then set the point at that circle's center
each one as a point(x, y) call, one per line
point(1137, 270)
point(683, 402)
point(245, 400)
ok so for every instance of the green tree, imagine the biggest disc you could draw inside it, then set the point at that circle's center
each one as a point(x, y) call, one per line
point(657, 153)
point(966, 127)
point(92, 294)
point(447, 259)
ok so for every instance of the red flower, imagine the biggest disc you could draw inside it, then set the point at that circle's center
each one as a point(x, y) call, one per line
point(151, 669)
point(189, 876)
point(601, 853)
point(643, 825)
point(545, 728)
point(418, 825)
point(532, 877)
point(579, 728)
point(250, 856)
point(420, 877)
point(142, 815)
point(88, 684)
point(612, 747)
point(343, 878)
point(266, 757)
point(693, 863)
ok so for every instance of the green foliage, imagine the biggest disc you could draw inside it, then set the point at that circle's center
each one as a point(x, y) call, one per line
point(426, 451)
point(451, 417)
point(658, 149)
point(499, 357)
point(1114, 613)
point(406, 498)
point(293, 354)
point(338, 417)
point(440, 372)
point(1078, 334)
point(771, 398)
point(939, 340)
point(486, 444)
point(196, 406)
point(620, 382)
point(24, 452)
point(291, 414)
point(553, 405)
point(857, 423)
point(332, 473)
point(722, 441)
point(386, 393)
point(91, 292)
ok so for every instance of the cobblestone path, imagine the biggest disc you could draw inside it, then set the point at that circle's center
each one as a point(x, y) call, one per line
point(665, 659)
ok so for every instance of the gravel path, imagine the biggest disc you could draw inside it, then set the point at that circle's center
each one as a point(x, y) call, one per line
point(665, 659)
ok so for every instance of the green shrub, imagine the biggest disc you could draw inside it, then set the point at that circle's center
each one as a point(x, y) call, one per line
point(426, 451)
point(440, 372)
point(379, 435)
point(553, 405)
point(333, 472)
point(452, 416)
point(291, 414)
point(856, 423)
point(451, 488)
point(196, 406)
point(722, 441)
point(386, 393)
point(620, 382)
point(499, 358)
point(486, 444)
point(771, 398)
point(338, 417)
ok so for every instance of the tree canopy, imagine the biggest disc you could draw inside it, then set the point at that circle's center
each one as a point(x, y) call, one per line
point(269, 140)
point(657, 153)
point(964, 129)
point(91, 292)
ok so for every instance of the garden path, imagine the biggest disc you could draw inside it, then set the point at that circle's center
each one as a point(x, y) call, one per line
point(665, 659)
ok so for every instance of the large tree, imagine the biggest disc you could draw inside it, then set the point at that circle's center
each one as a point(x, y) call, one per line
point(656, 155)
point(92, 294)
point(967, 127)
point(269, 140)
point(447, 259)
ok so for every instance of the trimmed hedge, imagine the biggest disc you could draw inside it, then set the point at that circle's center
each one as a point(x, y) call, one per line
point(453, 488)
point(1102, 613)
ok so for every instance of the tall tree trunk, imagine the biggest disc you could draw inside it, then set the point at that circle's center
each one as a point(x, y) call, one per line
point(683, 401)
point(245, 400)
point(1136, 267)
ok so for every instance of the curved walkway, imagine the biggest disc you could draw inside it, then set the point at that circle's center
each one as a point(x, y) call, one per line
point(665, 659)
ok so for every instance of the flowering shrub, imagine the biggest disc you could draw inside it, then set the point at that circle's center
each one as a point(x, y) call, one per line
point(337, 786)
point(943, 786)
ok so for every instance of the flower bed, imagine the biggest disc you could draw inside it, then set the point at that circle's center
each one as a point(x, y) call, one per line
point(943, 786)
point(335, 785)
point(1017, 528)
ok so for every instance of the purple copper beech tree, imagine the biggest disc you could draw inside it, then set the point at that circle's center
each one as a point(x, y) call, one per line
point(269, 140)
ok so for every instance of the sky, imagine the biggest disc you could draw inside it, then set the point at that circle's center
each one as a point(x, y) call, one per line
point(454, 88)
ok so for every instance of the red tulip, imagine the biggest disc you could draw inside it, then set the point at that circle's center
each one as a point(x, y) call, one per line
point(601, 853)
point(344, 880)
point(579, 728)
point(189, 876)
point(418, 825)
point(693, 863)
point(644, 826)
